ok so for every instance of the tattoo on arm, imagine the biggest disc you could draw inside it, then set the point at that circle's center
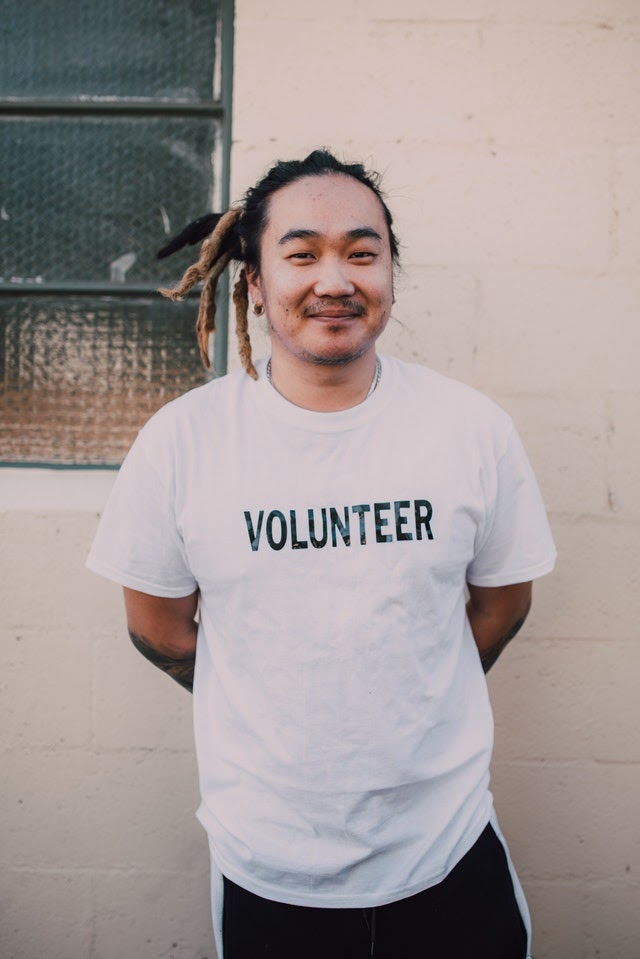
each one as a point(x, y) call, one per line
point(490, 655)
point(179, 669)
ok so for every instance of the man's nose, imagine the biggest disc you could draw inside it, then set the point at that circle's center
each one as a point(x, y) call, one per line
point(333, 279)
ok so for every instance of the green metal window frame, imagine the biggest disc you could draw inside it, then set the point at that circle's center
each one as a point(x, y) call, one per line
point(219, 109)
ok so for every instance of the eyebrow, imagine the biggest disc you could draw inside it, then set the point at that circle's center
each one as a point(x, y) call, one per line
point(359, 233)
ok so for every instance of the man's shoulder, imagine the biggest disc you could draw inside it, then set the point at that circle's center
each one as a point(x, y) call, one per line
point(193, 418)
point(201, 399)
point(435, 387)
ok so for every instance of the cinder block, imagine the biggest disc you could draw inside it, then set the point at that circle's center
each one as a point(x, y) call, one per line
point(627, 200)
point(428, 10)
point(566, 700)
point(614, 700)
point(606, 14)
point(612, 926)
point(493, 206)
point(154, 915)
point(49, 490)
point(547, 330)
point(624, 454)
point(558, 914)
point(565, 435)
point(45, 913)
point(136, 705)
point(570, 820)
point(561, 84)
point(593, 592)
point(44, 574)
point(76, 809)
point(432, 320)
point(46, 688)
point(336, 101)
point(249, 11)
point(582, 920)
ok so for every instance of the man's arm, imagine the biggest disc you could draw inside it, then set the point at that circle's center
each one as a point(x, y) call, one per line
point(496, 614)
point(164, 630)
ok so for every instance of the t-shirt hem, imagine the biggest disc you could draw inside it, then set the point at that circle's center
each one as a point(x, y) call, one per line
point(517, 576)
point(141, 585)
point(323, 900)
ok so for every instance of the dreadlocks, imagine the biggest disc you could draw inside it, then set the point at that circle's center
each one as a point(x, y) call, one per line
point(236, 234)
point(217, 251)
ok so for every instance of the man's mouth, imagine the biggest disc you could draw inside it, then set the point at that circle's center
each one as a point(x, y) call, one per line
point(326, 311)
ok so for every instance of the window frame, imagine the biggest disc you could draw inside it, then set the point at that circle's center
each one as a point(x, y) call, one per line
point(219, 107)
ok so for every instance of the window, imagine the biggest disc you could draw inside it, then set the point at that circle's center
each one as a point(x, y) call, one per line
point(114, 133)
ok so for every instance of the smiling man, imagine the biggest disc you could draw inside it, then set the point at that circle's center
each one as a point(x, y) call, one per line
point(359, 536)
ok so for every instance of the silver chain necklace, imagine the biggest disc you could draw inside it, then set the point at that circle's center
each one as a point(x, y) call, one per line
point(374, 381)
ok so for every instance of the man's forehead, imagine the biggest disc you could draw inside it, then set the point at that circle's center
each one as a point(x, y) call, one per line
point(317, 205)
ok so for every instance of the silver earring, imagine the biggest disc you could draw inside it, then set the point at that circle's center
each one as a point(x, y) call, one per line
point(257, 309)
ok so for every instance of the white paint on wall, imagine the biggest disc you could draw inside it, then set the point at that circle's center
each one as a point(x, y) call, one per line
point(508, 135)
point(54, 490)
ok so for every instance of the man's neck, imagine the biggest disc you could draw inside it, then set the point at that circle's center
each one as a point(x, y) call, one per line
point(323, 388)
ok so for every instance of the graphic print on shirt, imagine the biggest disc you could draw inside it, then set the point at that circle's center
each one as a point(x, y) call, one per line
point(363, 524)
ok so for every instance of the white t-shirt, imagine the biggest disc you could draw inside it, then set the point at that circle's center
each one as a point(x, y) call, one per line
point(342, 722)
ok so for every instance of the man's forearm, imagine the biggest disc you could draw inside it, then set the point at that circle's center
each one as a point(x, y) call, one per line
point(490, 653)
point(496, 615)
point(164, 630)
point(179, 668)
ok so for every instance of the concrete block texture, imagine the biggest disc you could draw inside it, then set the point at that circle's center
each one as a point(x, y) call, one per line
point(575, 426)
point(553, 330)
point(595, 919)
point(564, 83)
point(507, 133)
point(593, 592)
point(627, 207)
point(82, 914)
point(97, 810)
point(487, 205)
point(159, 915)
point(566, 700)
point(45, 912)
point(46, 688)
point(44, 579)
point(518, 83)
point(602, 13)
point(624, 454)
point(569, 820)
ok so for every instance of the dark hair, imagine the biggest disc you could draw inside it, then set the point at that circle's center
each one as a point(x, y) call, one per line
point(236, 235)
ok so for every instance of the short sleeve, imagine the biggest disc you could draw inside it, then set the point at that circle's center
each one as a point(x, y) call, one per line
point(517, 545)
point(138, 543)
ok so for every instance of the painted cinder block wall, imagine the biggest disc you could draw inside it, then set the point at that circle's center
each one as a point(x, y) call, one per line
point(508, 133)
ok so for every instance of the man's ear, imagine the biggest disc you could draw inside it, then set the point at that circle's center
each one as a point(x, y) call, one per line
point(253, 283)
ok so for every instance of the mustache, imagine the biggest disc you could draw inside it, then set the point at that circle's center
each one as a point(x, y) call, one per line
point(342, 303)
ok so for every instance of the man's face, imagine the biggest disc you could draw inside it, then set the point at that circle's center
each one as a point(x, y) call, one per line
point(326, 271)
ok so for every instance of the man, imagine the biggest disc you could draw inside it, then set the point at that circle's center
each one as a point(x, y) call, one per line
point(325, 514)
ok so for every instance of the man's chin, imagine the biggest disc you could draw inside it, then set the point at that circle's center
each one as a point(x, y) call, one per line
point(341, 360)
point(337, 356)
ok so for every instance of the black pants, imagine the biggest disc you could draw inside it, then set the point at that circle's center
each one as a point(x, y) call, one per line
point(472, 914)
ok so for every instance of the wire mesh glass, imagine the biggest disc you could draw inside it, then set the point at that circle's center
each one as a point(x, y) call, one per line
point(111, 140)
point(93, 198)
point(79, 376)
point(118, 48)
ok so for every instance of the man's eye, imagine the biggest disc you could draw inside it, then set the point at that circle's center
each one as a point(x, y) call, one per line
point(363, 255)
point(301, 256)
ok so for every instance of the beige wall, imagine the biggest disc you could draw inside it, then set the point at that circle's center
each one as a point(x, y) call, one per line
point(509, 136)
